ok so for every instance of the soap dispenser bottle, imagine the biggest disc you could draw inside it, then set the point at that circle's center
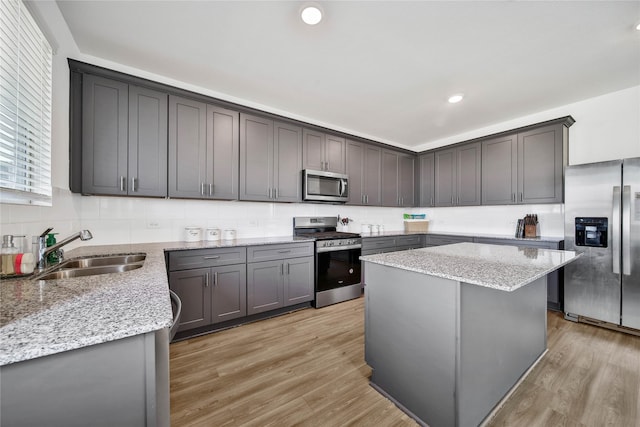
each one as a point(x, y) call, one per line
point(52, 258)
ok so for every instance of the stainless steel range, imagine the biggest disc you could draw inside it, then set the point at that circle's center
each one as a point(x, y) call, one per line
point(337, 259)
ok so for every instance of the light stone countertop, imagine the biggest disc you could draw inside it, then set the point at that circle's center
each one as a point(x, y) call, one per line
point(391, 233)
point(505, 268)
point(40, 318)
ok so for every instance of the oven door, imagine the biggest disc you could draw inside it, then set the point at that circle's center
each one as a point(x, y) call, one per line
point(337, 268)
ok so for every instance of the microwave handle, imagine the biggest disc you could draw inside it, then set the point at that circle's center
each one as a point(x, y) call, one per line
point(343, 186)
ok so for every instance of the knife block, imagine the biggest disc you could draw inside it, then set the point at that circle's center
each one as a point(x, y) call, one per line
point(530, 231)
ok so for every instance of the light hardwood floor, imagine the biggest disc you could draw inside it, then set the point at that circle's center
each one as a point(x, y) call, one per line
point(307, 368)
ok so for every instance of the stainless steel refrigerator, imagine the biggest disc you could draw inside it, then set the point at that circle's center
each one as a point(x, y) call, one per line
point(602, 222)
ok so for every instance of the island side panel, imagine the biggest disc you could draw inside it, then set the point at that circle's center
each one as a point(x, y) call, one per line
point(502, 335)
point(410, 340)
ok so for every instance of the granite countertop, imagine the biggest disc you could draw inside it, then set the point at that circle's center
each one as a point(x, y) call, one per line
point(505, 268)
point(391, 233)
point(40, 318)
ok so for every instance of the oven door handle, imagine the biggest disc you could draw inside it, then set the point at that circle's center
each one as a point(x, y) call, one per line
point(338, 248)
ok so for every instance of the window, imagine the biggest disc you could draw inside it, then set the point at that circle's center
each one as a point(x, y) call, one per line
point(25, 108)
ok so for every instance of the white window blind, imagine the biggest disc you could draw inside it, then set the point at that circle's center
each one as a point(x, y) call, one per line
point(25, 108)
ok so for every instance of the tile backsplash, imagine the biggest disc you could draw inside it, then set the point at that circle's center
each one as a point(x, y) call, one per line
point(121, 220)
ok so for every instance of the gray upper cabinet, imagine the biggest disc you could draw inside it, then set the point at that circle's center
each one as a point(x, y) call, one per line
point(500, 170)
point(541, 162)
point(270, 160)
point(427, 168)
point(323, 152)
point(398, 179)
point(203, 150)
point(524, 168)
point(457, 177)
point(124, 139)
point(287, 155)
point(364, 171)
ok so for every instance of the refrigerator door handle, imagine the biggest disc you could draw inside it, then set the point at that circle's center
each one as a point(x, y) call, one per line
point(626, 230)
point(615, 230)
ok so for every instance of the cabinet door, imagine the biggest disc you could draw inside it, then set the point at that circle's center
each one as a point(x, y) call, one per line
point(355, 170)
point(389, 185)
point(298, 283)
point(265, 290)
point(147, 142)
point(256, 158)
point(427, 180)
point(313, 150)
point(540, 165)
point(223, 153)
point(372, 175)
point(187, 147)
point(445, 177)
point(192, 286)
point(287, 149)
point(468, 175)
point(406, 180)
point(104, 136)
point(499, 170)
point(334, 154)
point(228, 292)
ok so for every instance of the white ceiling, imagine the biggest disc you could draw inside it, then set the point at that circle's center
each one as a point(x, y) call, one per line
point(381, 69)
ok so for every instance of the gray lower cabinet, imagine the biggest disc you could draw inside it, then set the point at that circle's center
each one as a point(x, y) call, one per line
point(364, 170)
point(279, 276)
point(124, 139)
point(439, 240)
point(118, 383)
point(427, 189)
point(270, 160)
point(457, 180)
point(383, 244)
point(323, 152)
point(211, 284)
point(398, 179)
point(524, 168)
point(203, 150)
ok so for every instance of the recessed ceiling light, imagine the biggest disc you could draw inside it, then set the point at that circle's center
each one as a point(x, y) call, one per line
point(311, 15)
point(453, 99)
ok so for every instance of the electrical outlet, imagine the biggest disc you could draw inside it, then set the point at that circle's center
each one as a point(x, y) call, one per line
point(253, 223)
point(153, 224)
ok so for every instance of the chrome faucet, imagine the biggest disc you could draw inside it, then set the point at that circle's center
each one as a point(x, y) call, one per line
point(44, 251)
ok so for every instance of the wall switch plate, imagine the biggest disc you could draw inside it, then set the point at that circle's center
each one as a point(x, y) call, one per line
point(153, 224)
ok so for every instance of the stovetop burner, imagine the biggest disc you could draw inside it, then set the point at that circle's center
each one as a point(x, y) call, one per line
point(320, 228)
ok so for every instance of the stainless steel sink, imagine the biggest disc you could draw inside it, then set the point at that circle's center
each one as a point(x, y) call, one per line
point(93, 265)
point(96, 261)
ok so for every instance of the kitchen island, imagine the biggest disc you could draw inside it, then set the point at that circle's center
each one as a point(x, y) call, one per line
point(450, 330)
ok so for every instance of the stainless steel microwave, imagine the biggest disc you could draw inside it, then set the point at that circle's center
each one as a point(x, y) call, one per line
point(324, 186)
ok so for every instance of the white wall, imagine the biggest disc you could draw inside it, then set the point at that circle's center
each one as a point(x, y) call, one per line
point(607, 127)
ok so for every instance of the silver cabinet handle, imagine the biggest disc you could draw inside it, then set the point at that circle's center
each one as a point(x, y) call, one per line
point(288, 271)
point(521, 197)
point(458, 200)
point(211, 189)
point(431, 203)
point(282, 269)
point(284, 251)
point(206, 280)
point(270, 192)
point(626, 225)
point(211, 257)
point(123, 183)
point(451, 200)
point(363, 202)
point(176, 317)
point(615, 230)
point(215, 278)
point(134, 181)
point(202, 189)
point(275, 193)
point(513, 197)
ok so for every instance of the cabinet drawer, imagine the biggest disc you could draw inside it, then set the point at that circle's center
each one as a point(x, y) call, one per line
point(414, 241)
point(370, 243)
point(275, 252)
point(447, 240)
point(198, 258)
